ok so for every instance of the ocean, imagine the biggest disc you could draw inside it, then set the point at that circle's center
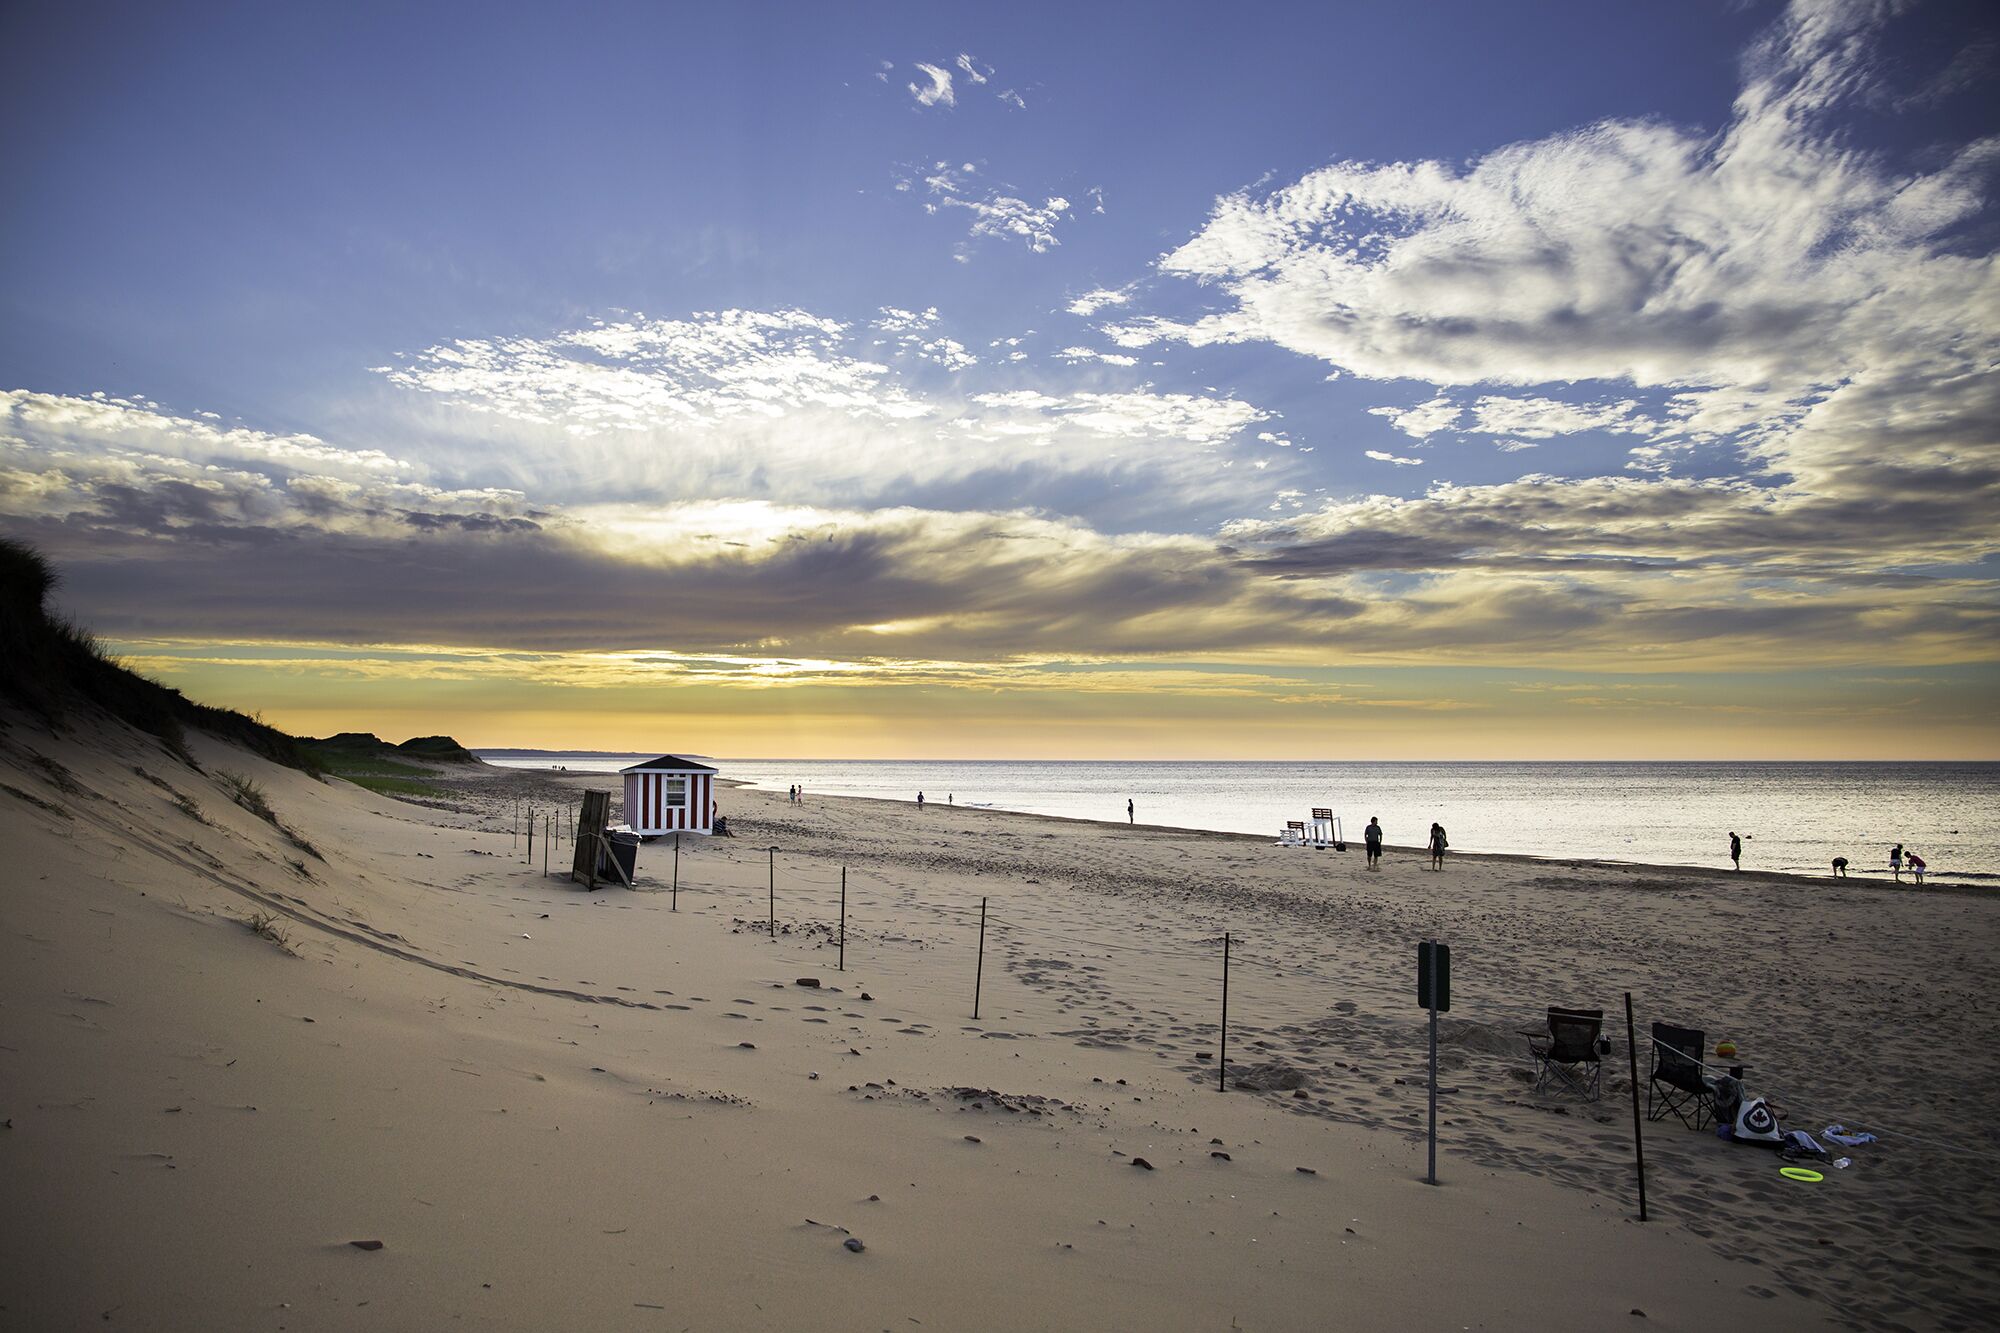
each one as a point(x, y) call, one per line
point(1792, 816)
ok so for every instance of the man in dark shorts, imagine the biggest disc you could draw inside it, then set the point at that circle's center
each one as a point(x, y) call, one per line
point(1840, 867)
point(1373, 836)
point(1438, 843)
point(1736, 850)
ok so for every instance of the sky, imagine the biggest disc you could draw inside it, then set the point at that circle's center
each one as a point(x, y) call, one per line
point(1356, 380)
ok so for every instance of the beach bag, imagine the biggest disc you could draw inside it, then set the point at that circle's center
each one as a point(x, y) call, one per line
point(1755, 1122)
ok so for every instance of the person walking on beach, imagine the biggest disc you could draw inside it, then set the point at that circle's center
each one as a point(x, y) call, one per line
point(1438, 843)
point(1896, 862)
point(1840, 867)
point(1736, 850)
point(1916, 865)
point(1130, 818)
point(1373, 836)
point(920, 802)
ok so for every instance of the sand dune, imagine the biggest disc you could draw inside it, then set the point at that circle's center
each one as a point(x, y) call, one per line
point(557, 1109)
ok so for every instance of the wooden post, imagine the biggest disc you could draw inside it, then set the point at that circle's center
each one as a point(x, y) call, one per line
point(530, 858)
point(1432, 1178)
point(675, 904)
point(1222, 1051)
point(1638, 1143)
point(547, 821)
point(979, 971)
point(771, 883)
point(843, 918)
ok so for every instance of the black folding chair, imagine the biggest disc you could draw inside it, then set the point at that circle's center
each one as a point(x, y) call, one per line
point(1570, 1055)
point(1677, 1084)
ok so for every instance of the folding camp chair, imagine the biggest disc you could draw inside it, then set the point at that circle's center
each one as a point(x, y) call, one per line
point(1570, 1054)
point(1677, 1084)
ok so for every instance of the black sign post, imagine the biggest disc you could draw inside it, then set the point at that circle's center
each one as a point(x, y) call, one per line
point(1434, 994)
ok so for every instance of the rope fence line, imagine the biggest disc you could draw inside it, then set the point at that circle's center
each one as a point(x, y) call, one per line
point(972, 918)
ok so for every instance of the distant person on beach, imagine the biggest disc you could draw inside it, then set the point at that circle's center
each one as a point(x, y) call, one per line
point(1130, 818)
point(1438, 843)
point(951, 798)
point(1736, 850)
point(1840, 867)
point(1916, 865)
point(1373, 835)
point(920, 800)
point(1896, 862)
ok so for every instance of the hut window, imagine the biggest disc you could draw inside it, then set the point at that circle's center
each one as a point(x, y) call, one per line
point(677, 791)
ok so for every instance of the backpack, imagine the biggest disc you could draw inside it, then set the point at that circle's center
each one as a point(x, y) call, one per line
point(1755, 1123)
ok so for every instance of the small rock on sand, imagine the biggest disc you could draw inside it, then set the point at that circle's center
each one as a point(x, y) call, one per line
point(366, 1244)
point(1142, 1163)
point(810, 983)
point(853, 1245)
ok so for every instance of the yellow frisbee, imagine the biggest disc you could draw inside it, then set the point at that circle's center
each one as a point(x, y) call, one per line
point(1799, 1173)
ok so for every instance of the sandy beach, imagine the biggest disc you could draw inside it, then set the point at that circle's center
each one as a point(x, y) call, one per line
point(554, 1108)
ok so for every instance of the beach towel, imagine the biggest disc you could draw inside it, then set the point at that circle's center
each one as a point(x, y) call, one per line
point(1838, 1134)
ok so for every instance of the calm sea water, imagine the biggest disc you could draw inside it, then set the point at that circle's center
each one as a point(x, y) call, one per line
point(1792, 816)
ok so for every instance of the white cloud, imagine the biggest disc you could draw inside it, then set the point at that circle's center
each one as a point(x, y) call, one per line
point(1076, 354)
point(1013, 99)
point(635, 373)
point(1095, 300)
point(896, 320)
point(937, 91)
point(973, 69)
point(1136, 415)
point(1423, 420)
point(1541, 418)
point(1381, 457)
point(994, 212)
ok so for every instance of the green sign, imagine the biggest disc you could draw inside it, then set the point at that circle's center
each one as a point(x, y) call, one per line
point(1443, 976)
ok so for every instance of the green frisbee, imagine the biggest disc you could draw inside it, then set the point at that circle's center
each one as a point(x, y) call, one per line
point(1799, 1173)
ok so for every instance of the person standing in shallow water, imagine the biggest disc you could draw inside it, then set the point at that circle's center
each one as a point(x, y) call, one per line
point(920, 801)
point(1438, 843)
point(1372, 835)
point(1736, 850)
point(1130, 818)
point(1896, 862)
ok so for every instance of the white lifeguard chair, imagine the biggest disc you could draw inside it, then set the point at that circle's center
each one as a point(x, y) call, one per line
point(1321, 830)
point(1294, 834)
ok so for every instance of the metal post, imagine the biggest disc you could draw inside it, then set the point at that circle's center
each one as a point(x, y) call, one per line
point(979, 971)
point(1432, 1179)
point(1638, 1144)
point(843, 918)
point(1222, 1047)
point(676, 900)
point(771, 883)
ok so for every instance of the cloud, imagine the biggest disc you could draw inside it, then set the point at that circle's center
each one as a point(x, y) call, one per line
point(937, 92)
point(1013, 99)
point(1381, 457)
point(1091, 302)
point(1816, 320)
point(1076, 354)
point(636, 373)
point(1424, 420)
point(1137, 415)
point(973, 69)
point(1541, 418)
point(1770, 258)
point(994, 212)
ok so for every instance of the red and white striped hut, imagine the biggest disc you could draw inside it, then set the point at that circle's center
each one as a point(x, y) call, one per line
point(669, 795)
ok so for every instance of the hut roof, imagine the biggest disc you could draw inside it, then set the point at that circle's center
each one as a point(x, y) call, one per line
point(671, 762)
